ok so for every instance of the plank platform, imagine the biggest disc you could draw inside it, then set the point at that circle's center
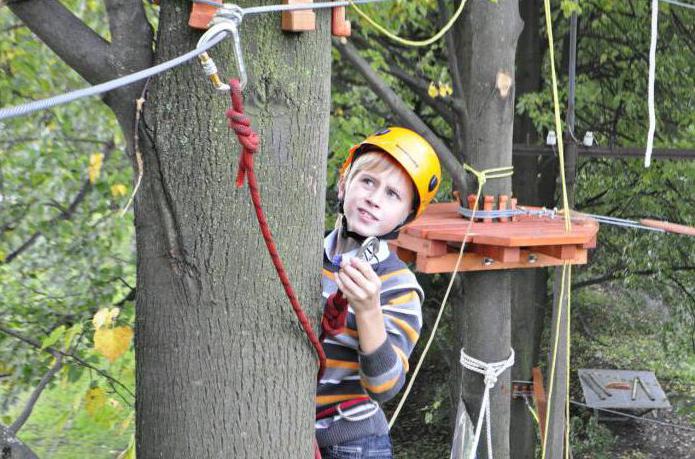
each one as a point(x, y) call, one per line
point(433, 242)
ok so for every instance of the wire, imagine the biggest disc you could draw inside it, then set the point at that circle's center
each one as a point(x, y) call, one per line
point(43, 104)
point(291, 7)
point(25, 109)
point(620, 413)
point(684, 5)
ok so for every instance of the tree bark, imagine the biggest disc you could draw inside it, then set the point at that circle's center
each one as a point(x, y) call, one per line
point(529, 286)
point(12, 448)
point(223, 369)
point(486, 42)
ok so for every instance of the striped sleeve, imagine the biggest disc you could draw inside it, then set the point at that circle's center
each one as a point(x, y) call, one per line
point(382, 372)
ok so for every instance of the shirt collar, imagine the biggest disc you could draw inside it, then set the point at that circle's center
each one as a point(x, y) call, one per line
point(329, 243)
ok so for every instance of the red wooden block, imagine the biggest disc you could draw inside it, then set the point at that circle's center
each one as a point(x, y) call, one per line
point(298, 21)
point(201, 15)
point(339, 26)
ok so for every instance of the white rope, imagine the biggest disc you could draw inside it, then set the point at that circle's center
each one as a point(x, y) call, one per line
point(490, 372)
point(650, 90)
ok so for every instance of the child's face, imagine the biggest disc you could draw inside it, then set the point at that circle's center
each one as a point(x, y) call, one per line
point(376, 202)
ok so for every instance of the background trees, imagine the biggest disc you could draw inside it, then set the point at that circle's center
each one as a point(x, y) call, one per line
point(67, 253)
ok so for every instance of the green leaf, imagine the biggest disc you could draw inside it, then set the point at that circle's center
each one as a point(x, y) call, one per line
point(51, 339)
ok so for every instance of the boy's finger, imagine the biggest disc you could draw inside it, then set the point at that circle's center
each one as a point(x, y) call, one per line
point(350, 288)
point(365, 268)
point(355, 274)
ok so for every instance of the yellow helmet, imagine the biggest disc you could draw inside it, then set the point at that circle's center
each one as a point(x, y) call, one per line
point(413, 153)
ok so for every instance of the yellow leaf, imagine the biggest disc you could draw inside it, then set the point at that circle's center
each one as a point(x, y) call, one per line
point(118, 190)
point(432, 90)
point(105, 317)
point(112, 342)
point(95, 162)
point(95, 400)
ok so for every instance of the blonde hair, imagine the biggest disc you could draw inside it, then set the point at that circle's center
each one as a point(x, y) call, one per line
point(375, 161)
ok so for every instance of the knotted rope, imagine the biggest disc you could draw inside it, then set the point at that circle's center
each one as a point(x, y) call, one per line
point(241, 125)
point(490, 372)
point(334, 315)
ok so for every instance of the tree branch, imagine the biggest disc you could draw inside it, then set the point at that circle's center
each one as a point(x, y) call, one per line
point(381, 89)
point(55, 353)
point(64, 215)
point(71, 39)
point(616, 274)
point(29, 407)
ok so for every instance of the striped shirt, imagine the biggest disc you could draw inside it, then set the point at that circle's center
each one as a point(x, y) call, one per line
point(380, 374)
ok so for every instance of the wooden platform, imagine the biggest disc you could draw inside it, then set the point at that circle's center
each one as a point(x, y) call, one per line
point(433, 242)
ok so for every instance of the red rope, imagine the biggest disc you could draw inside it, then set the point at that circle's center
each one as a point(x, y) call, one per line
point(334, 315)
point(241, 125)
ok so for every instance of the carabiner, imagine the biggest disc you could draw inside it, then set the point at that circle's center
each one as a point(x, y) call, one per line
point(226, 20)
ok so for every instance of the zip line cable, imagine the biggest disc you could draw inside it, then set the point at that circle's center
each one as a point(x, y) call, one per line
point(25, 109)
point(677, 3)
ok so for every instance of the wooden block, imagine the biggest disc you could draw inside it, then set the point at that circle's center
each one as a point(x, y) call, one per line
point(590, 244)
point(298, 21)
point(475, 262)
point(488, 202)
point(201, 15)
point(406, 255)
point(503, 199)
point(503, 254)
point(339, 26)
point(424, 246)
point(539, 398)
point(513, 207)
point(471, 201)
point(563, 252)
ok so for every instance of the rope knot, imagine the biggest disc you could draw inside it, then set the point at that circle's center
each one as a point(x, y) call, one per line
point(241, 125)
point(490, 376)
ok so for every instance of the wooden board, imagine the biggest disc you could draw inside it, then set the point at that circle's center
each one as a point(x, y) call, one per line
point(531, 242)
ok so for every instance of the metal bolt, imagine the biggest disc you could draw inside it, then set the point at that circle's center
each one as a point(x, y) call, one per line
point(488, 261)
point(532, 258)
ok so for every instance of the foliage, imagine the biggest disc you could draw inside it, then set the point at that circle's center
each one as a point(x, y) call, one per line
point(80, 262)
point(65, 252)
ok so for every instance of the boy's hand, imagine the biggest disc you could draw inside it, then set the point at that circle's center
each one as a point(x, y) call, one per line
point(360, 285)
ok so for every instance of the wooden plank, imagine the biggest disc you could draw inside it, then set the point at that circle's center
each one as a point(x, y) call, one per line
point(540, 398)
point(497, 253)
point(563, 252)
point(591, 243)
point(424, 246)
point(476, 262)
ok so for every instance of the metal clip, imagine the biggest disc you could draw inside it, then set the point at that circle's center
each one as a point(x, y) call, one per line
point(226, 20)
point(369, 249)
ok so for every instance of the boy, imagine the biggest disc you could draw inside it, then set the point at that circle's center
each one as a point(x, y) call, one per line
point(387, 181)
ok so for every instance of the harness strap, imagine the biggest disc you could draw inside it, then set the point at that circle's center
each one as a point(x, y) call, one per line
point(341, 407)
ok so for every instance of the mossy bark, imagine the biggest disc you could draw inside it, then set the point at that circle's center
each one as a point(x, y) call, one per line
point(223, 368)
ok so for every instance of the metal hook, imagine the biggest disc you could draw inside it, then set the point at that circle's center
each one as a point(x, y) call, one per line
point(226, 20)
point(368, 249)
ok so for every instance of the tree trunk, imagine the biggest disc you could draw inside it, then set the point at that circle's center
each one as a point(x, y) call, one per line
point(486, 40)
point(223, 368)
point(529, 286)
